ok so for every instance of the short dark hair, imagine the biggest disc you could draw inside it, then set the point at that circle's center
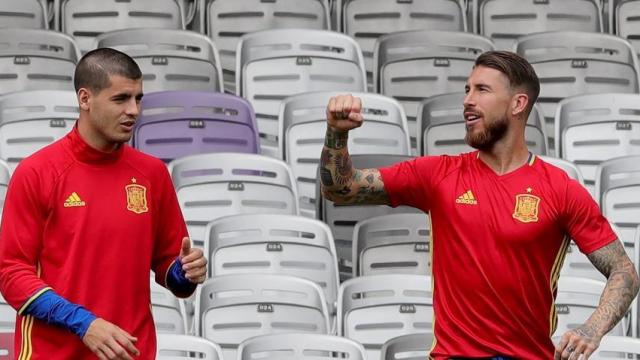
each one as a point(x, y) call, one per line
point(96, 66)
point(517, 69)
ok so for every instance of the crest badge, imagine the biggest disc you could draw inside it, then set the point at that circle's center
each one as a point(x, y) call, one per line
point(526, 208)
point(136, 197)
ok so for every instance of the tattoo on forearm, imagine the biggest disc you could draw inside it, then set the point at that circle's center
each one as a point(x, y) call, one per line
point(621, 288)
point(336, 140)
point(344, 168)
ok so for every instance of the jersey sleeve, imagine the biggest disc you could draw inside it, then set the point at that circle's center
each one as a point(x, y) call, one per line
point(23, 219)
point(411, 182)
point(583, 220)
point(169, 227)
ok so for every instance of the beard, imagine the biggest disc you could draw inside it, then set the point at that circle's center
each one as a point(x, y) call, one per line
point(485, 140)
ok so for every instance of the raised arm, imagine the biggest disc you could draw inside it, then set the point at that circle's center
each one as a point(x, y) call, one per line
point(341, 182)
point(622, 287)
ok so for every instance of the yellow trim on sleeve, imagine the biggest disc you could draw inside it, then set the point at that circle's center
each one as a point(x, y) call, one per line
point(31, 299)
point(555, 274)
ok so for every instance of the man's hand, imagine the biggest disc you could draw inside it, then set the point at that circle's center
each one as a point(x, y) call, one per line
point(344, 112)
point(109, 342)
point(582, 340)
point(193, 262)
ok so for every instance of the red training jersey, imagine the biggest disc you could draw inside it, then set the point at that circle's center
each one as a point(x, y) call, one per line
point(89, 225)
point(498, 243)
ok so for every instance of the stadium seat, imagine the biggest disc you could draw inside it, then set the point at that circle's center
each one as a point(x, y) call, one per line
point(35, 59)
point(184, 347)
point(617, 348)
point(576, 300)
point(505, 20)
point(169, 313)
point(624, 15)
point(233, 308)
point(175, 124)
point(30, 14)
point(597, 127)
point(274, 244)
point(30, 120)
point(618, 193)
point(7, 342)
point(213, 185)
point(300, 347)
point(374, 309)
point(169, 59)
point(303, 125)
point(274, 64)
point(573, 63)
point(441, 127)
point(5, 175)
point(635, 306)
point(366, 20)
point(342, 219)
point(7, 316)
point(392, 244)
point(407, 347)
point(227, 20)
point(414, 65)
point(86, 19)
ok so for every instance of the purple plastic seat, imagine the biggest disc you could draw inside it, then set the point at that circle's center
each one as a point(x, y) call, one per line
point(174, 124)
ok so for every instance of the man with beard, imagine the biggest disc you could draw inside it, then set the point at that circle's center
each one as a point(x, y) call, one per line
point(501, 223)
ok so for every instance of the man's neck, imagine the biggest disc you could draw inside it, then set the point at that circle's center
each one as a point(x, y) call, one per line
point(506, 155)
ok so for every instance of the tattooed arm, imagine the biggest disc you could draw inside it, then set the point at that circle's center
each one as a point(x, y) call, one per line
point(340, 181)
point(622, 287)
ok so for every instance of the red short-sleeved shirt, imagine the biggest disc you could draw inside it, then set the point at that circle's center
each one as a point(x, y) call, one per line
point(498, 243)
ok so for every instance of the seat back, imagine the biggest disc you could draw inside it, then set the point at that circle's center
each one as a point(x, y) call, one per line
point(30, 120)
point(5, 175)
point(374, 309)
point(414, 65)
point(618, 193)
point(233, 308)
point(86, 19)
point(576, 300)
point(392, 244)
point(441, 127)
point(227, 20)
point(35, 59)
point(571, 63)
point(626, 24)
point(7, 316)
point(343, 218)
point(300, 346)
point(7, 351)
point(169, 315)
point(617, 347)
point(185, 347)
point(408, 347)
point(23, 14)
point(505, 20)
point(175, 124)
point(594, 128)
point(213, 185)
point(169, 59)
point(274, 64)
point(303, 126)
point(274, 244)
point(366, 20)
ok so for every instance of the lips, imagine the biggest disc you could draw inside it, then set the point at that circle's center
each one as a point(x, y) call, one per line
point(471, 117)
point(128, 125)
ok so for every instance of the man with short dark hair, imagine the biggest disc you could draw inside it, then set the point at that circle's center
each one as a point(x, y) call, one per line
point(501, 220)
point(85, 220)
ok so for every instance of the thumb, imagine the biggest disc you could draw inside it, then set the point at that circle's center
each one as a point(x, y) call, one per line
point(186, 247)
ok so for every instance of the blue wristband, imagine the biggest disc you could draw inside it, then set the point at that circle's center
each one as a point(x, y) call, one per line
point(55, 310)
point(177, 282)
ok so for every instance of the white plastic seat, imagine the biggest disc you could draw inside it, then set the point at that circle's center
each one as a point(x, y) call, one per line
point(169, 314)
point(30, 14)
point(294, 346)
point(408, 347)
point(303, 124)
point(274, 64)
point(617, 348)
point(7, 316)
point(185, 347)
point(213, 185)
point(30, 120)
point(5, 176)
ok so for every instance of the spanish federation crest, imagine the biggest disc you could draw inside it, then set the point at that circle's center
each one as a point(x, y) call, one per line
point(136, 198)
point(526, 208)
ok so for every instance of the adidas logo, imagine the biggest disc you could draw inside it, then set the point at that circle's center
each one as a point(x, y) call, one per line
point(74, 201)
point(467, 198)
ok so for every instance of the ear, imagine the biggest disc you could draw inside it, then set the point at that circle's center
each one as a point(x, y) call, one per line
point(84, 99)
point(519, 103)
